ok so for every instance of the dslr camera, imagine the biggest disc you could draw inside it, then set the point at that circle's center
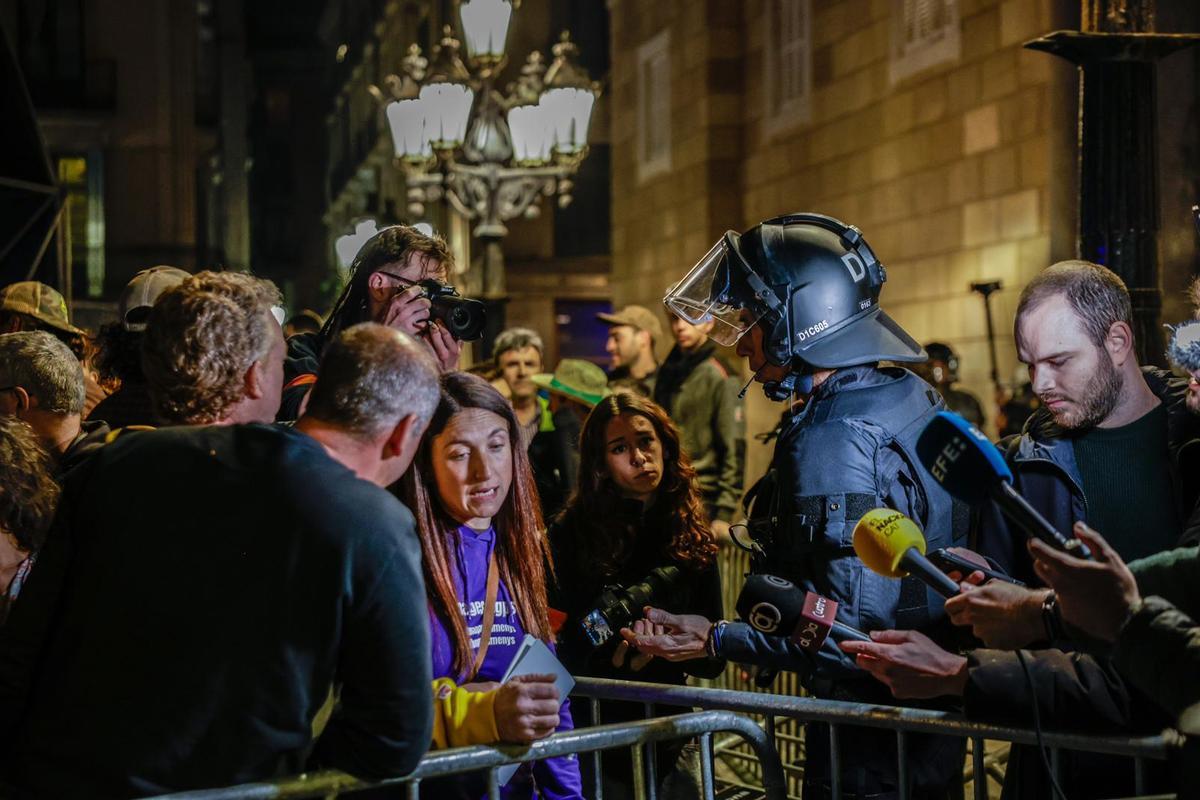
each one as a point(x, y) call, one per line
point(463, 317)
point(618, 606)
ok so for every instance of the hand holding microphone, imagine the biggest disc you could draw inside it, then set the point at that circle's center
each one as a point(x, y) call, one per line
point(1000, 613)
point(972, 469)
point(891, 544)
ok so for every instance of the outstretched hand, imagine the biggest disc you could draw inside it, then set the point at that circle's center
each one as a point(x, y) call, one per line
point(643, 627)
point(683, 636)
point(1096, 597)
point(910, 664)
point(1002, 615)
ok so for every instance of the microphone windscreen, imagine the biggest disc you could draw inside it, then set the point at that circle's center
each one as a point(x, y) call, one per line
point(816, 620)
point(770, 605)
point(882, 537)
point(961, 458)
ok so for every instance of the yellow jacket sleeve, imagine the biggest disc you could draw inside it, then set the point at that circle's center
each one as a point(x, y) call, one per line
point(462, 717)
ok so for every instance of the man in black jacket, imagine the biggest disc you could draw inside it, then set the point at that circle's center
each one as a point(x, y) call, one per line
point(207, 592)
point(1111, 445)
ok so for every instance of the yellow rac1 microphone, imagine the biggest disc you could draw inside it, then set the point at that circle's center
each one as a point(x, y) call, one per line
point(892, 545)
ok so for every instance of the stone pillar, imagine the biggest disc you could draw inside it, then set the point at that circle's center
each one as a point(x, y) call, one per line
point(1118, 149)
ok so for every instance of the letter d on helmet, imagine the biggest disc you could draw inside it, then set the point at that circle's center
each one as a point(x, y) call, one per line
point(812, 281)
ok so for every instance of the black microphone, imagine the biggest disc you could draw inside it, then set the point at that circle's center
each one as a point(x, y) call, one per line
point(971, 468)
point(778, 607)
point(742, 394)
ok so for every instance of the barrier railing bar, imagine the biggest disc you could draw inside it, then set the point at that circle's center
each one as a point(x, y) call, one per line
point(706, 766)
point(753, 759)
point(597, 764)
point(865, 715)
point(1056, 764)
point(835, 763)
point(639, 771)
point(902, 764)
point(1139, 776)
point(493, 784)
point(651, 760)
point(769, 727)
point(472, 759)
point(414, 790)
point(978, 769)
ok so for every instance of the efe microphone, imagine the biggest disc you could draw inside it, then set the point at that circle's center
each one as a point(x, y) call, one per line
point(971, 468)
point(891, 544)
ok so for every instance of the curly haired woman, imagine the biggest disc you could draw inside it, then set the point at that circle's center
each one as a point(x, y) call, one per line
point(637, 509)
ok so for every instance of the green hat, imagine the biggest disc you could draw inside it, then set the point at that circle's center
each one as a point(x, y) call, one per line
point(39, 301)
point(576, 379)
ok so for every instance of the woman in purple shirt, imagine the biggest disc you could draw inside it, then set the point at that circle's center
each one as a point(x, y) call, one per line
point(484, 555)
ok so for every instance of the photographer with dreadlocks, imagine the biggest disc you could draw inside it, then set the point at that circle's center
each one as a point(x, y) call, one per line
point(384, 287)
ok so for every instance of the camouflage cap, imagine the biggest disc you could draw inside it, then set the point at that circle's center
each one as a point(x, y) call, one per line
point(37, 300)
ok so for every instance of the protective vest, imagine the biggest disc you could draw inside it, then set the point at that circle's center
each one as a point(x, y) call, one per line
point(803, 512)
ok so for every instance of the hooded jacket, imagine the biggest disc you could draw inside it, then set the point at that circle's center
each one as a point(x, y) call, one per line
point(556, 778)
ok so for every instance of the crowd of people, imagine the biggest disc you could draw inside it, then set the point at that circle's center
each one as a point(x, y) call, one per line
point(238, 546)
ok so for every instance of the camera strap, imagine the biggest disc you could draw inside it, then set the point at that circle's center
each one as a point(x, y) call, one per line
point(489, 615)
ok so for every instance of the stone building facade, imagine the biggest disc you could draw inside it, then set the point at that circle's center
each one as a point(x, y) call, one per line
point(926, 124)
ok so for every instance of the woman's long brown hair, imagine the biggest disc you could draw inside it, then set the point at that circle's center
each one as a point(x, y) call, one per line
point(522, 554)
point(687, 535)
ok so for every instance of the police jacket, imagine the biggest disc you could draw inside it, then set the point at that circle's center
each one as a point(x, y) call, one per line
point(849, 449)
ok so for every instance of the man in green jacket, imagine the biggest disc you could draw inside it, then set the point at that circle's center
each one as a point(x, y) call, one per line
point(700, 395)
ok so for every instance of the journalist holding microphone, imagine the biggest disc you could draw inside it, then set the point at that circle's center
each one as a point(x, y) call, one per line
point(1111, 446)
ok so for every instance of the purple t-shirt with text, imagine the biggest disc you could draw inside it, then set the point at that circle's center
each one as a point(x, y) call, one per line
point(555, 778)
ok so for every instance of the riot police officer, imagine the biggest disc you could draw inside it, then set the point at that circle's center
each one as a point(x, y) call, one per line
point(799, 295)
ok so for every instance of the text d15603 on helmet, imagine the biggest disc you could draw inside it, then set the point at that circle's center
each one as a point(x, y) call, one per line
point(813, 283)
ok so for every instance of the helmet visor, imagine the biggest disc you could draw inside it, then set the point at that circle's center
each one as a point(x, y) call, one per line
point(708, 294)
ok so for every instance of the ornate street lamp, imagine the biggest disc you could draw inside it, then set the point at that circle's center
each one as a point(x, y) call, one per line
point(346, 247)
point(491, 155)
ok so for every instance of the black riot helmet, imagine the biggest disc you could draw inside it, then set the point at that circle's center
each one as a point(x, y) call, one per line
point(811, 280)
point(945, 353)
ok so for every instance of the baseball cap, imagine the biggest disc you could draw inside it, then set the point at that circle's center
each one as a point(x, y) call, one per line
point(39, 301)
point(638, 317)
point(576, 379)
point(138, 296)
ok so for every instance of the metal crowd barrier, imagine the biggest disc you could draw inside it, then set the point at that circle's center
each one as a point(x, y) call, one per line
point(459, 761)
point(903, 721)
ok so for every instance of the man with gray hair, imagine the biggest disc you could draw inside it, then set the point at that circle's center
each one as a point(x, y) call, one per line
point(41, 383)
point(518, 354)
point(207, 588)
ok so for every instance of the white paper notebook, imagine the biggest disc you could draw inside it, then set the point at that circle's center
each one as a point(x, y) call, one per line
point(534, 658)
